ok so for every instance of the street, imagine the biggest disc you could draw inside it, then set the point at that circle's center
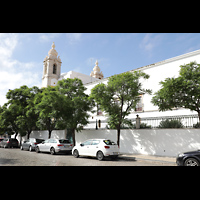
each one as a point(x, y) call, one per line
point(16, 157)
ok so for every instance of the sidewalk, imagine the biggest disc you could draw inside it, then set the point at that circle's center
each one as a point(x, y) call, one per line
point(151, 158)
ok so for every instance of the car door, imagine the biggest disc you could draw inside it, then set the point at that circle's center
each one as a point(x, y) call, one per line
point(93, 148)
point(44, 145)
point(26, 144)
point(84, 148)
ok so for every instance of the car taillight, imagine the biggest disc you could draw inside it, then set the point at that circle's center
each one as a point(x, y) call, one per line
point(8, 141)
point(35, 143)
point(106, 147)
point(71, 145)
point(59, 145)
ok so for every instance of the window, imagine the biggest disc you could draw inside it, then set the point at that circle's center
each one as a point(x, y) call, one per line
point(99, 111)
point(95, 142)
point(109, 142)
point(54, 68)
point(139, 106)
point(64, 141)
point(88, 142)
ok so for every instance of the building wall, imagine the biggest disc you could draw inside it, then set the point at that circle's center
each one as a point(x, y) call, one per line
point(158, 72)
point(160, 142)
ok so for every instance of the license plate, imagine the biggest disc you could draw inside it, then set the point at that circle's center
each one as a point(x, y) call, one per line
point(115, 153)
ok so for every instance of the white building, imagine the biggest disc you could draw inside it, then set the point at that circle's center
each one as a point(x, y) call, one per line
point(158, 72)
point(52, 71)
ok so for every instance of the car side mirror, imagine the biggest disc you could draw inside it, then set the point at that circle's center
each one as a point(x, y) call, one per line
point(42, 142)
point(24, 141)
point(81, 145)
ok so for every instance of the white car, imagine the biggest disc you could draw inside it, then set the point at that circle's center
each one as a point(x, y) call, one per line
point(97, 148)
point(54, 146)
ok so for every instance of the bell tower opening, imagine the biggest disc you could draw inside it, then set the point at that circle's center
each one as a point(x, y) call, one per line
point(54, 68)
point(51, 68)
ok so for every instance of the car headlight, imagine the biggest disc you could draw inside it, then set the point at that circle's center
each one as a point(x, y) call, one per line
point(181, 155)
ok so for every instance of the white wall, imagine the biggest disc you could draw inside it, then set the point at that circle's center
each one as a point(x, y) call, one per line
point(57, 134)
point(160, 142)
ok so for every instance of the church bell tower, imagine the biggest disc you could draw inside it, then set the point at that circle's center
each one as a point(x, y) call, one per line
point(51, 68)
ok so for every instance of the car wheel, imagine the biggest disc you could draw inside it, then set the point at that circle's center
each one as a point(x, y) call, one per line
point(100, 155)
point(30, 148)
point(37, 150)
point(191, 162)
point(75, 153)
point(52, 151)
point(21, 148)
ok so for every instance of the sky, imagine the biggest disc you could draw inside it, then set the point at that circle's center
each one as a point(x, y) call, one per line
point(22, 54)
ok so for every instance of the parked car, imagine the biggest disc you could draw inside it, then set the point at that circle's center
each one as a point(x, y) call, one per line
point(9, 142)
point(191, 158)
point(54, 146)
point(99, 148)
point(30, 144)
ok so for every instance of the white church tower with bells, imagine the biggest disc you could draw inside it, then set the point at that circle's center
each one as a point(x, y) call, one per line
point(51, 68)
point(96, 73)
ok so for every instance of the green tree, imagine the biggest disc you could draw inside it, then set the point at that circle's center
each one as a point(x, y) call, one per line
point(119, 97)
point(20, 109)
point(183, 91)
point(79, 104)
point(50, 105)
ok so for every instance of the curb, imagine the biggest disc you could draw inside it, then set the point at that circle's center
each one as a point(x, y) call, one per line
point(127, 158)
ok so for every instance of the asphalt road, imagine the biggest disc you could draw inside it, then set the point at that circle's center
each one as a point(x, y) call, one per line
point(16, 157)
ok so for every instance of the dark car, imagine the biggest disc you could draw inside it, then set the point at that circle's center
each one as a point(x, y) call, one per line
point(30, 144)
point(191, 158)
point(9, 142)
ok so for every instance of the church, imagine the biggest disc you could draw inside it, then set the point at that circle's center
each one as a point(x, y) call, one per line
point(145, 109)
point(52, 71)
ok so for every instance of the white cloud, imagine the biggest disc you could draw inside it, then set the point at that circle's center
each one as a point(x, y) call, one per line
point(48, 37)
point(150, 41)
point(74, 37)
point(14, 73)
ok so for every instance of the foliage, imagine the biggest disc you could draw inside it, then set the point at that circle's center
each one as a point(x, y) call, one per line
point(172, 123)
point(119, 97)
point(78, 104)
point(183, 91)
point(19, 113)
point(50, 106)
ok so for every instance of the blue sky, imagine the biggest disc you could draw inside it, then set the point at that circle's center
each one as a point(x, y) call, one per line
point(22, 54)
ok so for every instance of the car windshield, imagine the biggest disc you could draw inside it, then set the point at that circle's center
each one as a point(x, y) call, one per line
point(64, 141)
point(109, 142)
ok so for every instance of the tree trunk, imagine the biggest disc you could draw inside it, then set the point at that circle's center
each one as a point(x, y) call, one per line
point(28, 135)
point(49, 134)
point(199, 118)
point(73, 137)
point(118, 136)
point(16, 133)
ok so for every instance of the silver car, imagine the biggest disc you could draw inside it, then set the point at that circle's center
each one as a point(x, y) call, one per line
point(30, 144)
point(54, 146)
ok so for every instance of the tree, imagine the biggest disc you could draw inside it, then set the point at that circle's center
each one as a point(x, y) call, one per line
point(79, 104)
point(51, 107)
point(183, 91)
point(119, 97)
point(20, 108)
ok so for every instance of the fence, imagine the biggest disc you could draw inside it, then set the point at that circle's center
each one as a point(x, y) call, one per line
point(188, 121)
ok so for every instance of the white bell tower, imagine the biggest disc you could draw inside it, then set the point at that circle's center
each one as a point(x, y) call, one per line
point(96, 73)
point(51, 68)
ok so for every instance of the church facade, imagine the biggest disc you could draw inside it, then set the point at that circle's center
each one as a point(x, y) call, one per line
point(158, 72)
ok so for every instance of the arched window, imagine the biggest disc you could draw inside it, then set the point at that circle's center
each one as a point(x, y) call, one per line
point(54, 69)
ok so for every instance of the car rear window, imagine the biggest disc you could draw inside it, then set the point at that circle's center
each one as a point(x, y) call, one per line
point(39, 140)
point(64, 141)
point(109, 142)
